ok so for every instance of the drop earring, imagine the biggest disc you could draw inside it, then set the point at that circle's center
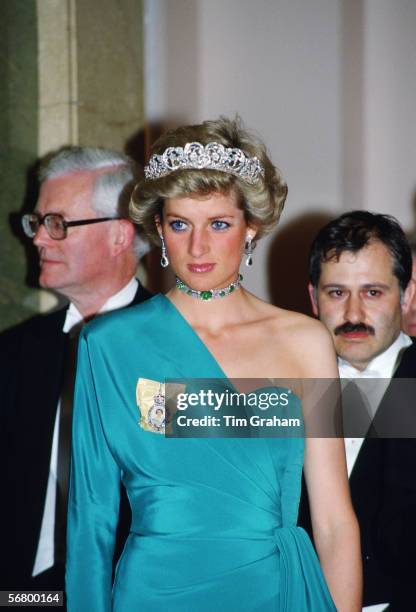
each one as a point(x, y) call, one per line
point(164, 261)
point(248, 250)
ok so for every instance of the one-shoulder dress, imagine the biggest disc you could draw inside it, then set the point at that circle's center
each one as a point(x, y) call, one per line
point(213, 519)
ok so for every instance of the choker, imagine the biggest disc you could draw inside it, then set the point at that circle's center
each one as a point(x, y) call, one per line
point(211, 294)
point(212, 156)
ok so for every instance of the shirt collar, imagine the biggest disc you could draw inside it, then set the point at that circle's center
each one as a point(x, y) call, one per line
point(74, 319)
point(382, 366)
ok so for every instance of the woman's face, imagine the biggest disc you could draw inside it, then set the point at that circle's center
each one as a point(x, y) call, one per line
point(205, 238)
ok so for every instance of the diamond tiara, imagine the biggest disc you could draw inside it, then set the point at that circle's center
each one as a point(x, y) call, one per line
point(212, 156)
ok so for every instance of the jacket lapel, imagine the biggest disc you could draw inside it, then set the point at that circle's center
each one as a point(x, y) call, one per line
point(44, 349)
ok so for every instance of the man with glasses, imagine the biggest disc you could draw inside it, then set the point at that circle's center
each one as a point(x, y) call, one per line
point(88, 252)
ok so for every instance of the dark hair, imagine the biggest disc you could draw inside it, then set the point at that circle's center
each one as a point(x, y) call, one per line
point(353, 231)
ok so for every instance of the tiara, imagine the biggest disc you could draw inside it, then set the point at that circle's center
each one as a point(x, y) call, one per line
point(212, 156)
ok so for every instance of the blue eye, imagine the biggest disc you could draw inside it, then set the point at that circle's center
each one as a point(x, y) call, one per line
point(178, 225)
point(220, 225)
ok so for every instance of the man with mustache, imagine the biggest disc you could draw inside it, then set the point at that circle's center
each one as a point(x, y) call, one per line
point(360, 270)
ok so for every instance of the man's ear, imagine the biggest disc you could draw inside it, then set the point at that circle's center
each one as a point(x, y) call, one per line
point(312, 296)
point(123, 235)
point(408, 296)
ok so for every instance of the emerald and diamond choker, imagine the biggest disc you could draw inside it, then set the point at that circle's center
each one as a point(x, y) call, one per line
point(211, 294)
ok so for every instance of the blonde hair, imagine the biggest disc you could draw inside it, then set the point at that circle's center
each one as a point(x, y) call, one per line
point(262, 202)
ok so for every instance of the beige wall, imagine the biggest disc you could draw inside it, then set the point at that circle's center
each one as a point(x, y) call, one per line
point(329, 85)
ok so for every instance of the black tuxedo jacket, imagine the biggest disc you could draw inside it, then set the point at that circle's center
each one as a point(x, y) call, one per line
point(383, 492)
point(32, 361)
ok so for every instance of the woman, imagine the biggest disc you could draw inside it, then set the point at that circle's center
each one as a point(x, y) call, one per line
point(213, 519)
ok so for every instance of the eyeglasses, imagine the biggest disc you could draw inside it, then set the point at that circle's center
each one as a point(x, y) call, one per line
point(55, 224)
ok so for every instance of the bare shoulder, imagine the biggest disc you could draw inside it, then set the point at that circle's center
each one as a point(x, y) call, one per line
point(293, 324)
point(300, 325)
point(312, 345)
point(304, 340)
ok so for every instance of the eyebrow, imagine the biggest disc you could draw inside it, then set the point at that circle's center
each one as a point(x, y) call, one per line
point(365, 286)
point(50, 212)
point(172, 214)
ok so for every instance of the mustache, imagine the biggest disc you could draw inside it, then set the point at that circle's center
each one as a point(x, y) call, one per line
point(348, 327)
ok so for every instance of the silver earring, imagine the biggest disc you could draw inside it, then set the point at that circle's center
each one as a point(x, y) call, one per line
point(164, 261)
point(248, 250)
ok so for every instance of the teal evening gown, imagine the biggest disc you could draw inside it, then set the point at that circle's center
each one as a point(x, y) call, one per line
point(213, 519)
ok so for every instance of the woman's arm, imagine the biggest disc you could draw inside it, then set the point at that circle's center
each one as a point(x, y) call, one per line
point(93, 498)
point(334, 524)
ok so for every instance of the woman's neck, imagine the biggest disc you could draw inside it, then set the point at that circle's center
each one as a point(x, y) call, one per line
point(214, 314)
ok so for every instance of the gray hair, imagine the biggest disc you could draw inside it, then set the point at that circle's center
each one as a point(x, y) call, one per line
point(112, 186)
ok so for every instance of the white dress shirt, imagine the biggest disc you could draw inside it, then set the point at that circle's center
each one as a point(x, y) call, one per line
point(45, 552)
point(381, 368)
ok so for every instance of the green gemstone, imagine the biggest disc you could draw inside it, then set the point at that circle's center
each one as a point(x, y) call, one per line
point(206, 295)
point(189, 292)
point(222, 293)
point(232, 287)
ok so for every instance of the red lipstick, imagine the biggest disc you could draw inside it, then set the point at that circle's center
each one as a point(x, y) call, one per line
point(200, 268)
